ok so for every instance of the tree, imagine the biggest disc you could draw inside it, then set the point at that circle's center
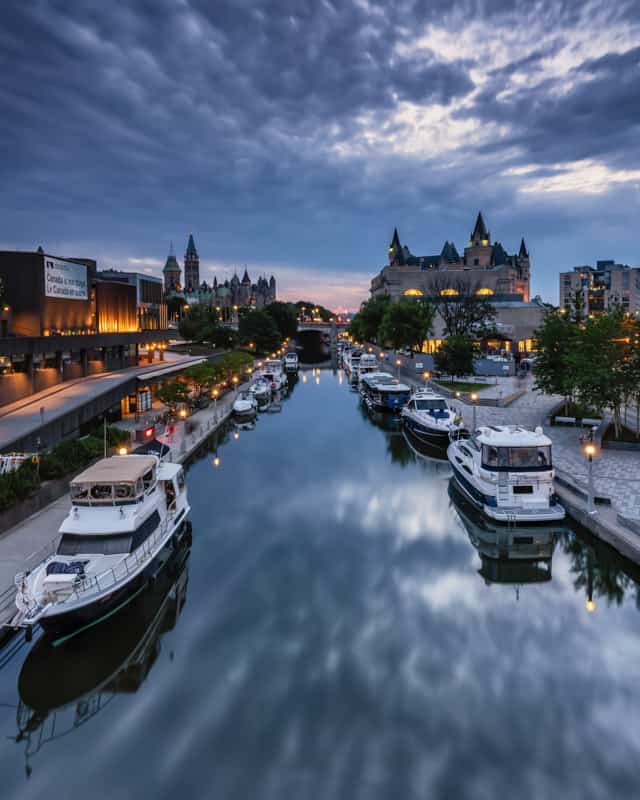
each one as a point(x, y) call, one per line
point(599, 359)
point(173, 393)
point(555, 340)
point(259, 327)
point(464, 311)
point(285, 315)
point(233, 364)
point(199, 324)
point(203, 376)
point(406, 323)
point(314, 309)
point(455, 356)
point(369, 318)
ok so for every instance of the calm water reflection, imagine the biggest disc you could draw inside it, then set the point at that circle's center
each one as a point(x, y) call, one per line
point(346, 632)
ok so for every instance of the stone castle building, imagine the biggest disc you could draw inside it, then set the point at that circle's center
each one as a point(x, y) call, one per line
point(224, 295)
point(485, 268)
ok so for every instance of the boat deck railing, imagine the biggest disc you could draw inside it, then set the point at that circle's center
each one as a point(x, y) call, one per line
point(125, 568)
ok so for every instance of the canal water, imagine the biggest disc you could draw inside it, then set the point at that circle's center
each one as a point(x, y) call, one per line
point(340, 629)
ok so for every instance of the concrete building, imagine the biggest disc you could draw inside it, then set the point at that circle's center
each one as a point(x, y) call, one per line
point(62, 319)
point(606, 285)
point(150, 305)
point(485, 269)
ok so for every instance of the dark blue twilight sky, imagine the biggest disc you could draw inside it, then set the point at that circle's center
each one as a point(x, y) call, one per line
point(292, 136)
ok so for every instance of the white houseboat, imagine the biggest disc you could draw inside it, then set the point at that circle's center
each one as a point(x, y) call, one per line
point(272, 372)
point(382, 391)
point(291, 361)
point(507, 473)
point(368, 363)
point(125, 512)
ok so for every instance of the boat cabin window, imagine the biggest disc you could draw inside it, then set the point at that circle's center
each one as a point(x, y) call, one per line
point(181, 480)
point(516, 457)
point(101, 491)
point(147, 479)
point(112, 545)
point(431, 405)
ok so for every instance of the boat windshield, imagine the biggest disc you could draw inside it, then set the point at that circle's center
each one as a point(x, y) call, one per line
point(73, 545)
point(517, 457)
point(431, 405)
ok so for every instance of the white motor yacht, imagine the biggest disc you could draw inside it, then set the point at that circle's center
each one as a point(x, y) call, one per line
point(245, 405)
point(261, 390)
point(351, 362)
point(125, 511)
point(291, 361)
point(273, 374)
point(429, 418)
point(507, 473)
point(368, 363)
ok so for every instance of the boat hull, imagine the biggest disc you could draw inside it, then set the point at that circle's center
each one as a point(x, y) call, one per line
point(107, 605)
point(507, 516)
point(436, 438)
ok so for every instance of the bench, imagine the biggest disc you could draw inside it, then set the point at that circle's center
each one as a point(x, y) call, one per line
point(592, 423)
point(564, 420)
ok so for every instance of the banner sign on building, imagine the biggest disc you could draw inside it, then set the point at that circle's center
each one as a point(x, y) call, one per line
point(65, 279)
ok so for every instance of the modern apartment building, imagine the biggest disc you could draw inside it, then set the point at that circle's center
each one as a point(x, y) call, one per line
point(602, 287)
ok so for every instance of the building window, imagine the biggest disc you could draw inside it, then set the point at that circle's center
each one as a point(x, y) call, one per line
point(449, 293)
point(412, 293)
point(484, 292)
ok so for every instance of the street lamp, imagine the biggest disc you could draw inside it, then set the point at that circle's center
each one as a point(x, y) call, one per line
point(426, 376)
point(398, 362)
point(474, 398)
point(590, 451)
point(122, 451)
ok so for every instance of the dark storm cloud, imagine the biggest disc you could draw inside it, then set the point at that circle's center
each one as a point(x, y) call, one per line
point(282, 131)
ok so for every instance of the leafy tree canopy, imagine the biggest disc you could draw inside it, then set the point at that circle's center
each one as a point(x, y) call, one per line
point(406, 323)
point(285, 315)
point(455, 356)
point(259, 328)
point(365, 325)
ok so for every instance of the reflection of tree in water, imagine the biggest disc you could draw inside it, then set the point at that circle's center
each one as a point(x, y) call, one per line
point(398, 450)
point(600, 571)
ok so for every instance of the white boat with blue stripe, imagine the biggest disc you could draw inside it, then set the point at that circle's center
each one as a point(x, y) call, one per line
point(429, 418)
point(507, 473)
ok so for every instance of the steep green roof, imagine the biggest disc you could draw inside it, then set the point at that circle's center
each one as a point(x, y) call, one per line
point(191, 247)
point(171, 264)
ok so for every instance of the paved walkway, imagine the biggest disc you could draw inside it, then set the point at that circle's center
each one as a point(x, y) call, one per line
point(24, 416)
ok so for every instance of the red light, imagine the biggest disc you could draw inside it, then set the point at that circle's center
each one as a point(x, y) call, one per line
point(148, 432)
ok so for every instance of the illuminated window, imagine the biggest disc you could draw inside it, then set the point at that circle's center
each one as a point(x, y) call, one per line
point(449, 293)
point(484, 292)
point(413, 293)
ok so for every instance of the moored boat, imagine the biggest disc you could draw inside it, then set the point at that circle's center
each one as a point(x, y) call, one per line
point(125, 511)
point(382, 391)
point(291, 361)
point(429, 418)
point(507, 473)
point(245, 406)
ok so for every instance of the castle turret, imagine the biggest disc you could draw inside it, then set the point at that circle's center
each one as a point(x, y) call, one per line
point(171, 272)
point(191, 266)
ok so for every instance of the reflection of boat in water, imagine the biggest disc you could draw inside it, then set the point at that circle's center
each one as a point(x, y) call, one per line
point(508, 554)
point(425, 451)
point(382, 420)
point(62, 688)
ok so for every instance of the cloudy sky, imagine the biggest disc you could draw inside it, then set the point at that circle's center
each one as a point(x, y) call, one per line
point(292, 136)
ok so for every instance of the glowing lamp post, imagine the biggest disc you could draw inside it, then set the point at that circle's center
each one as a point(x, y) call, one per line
point(122, 451)
point(590, 451)
point(398, 362)
point(426, 375)
point(474, 399)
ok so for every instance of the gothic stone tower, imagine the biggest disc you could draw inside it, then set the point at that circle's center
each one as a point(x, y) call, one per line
point(191, 266)
point(171, 272)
